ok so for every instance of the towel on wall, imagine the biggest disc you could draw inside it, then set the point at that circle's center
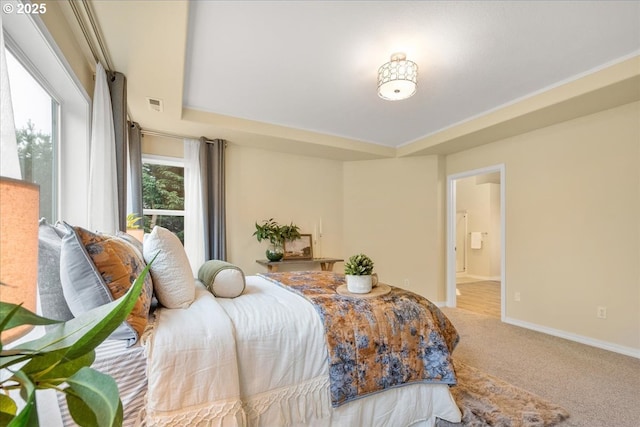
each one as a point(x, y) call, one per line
point(476, 240)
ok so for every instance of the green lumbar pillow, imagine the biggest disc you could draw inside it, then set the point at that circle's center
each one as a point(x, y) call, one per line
point(223, 279)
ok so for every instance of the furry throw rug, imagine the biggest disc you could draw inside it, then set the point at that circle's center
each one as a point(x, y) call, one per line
point(488, 401)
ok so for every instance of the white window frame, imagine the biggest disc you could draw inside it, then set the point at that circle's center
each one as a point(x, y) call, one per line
point(32, 44)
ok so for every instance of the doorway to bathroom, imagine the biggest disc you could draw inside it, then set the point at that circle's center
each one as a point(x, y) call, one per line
point(475, 241)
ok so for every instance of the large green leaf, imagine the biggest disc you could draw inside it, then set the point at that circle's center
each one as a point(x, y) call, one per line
point(80, 411)
point(7, 406)
point(5, 418)
point(67, 350)
point(37, 360)
point(13, 315)
point(20, 316)
point(98, 393)
point(28, 416)
point(52, 368)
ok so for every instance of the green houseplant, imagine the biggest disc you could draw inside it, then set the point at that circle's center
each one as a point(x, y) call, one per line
point(358, 272)
point(134, 226)
point(132, 221)
point(276, 234)
point(60, 360)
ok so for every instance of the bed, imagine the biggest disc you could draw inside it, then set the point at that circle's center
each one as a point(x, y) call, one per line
point(261, 360)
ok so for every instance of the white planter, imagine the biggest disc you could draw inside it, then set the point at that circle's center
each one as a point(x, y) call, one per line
point(358, 284)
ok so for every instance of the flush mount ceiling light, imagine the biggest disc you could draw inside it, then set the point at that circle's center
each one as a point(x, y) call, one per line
point(398, 78)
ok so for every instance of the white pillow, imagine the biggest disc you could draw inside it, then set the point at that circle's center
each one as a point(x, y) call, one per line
point(173, 281)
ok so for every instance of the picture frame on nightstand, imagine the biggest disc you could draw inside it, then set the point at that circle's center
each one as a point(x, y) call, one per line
point(301, 248)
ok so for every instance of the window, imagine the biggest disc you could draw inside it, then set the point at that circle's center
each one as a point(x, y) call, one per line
point(36, 117)
point(163, 194)
point(31, 44)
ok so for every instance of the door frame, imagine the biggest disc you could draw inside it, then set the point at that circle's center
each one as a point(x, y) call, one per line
point(451, 232)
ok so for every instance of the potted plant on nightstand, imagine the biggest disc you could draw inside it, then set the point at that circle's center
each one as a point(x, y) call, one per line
point(276, 234)
point(358, 270)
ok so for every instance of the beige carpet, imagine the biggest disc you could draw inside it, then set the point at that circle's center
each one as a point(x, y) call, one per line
point(598, 388)
point(488, 401)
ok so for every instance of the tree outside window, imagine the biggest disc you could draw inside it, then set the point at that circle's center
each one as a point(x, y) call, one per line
point(35, 114)
point(163, 196)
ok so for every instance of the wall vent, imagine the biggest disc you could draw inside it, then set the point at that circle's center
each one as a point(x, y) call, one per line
point(155, 104)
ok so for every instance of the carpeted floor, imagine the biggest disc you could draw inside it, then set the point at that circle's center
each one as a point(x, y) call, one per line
point(598, 388)
point(488, 401)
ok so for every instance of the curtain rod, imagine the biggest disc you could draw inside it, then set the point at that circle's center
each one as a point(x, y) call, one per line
point(91, 32)
point(171, 135)
point(98, 34)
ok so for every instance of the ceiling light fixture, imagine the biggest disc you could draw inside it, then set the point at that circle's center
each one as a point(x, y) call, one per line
point(398, 78)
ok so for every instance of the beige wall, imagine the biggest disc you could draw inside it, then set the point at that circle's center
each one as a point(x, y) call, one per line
point(265, 184)
point(393, 213)
point(161, 146)
point(572, 218)
point(572, 223)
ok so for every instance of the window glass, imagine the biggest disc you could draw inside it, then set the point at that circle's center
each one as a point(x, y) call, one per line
point(163, 196)
point(35, 115)
point(28, 40)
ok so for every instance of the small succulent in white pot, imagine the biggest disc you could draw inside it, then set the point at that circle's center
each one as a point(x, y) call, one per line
point(358, 270)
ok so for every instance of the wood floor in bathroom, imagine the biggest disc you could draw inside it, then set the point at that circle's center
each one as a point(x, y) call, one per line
point(480, 297)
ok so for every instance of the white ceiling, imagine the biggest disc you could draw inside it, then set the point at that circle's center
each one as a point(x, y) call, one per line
point(292, 74)
point(313, 65)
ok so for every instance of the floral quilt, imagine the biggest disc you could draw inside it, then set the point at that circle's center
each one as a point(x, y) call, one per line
point(376, 343)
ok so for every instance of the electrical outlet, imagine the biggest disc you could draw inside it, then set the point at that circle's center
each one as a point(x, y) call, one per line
point(602, 312)
point(406, 283)
point(516, 296)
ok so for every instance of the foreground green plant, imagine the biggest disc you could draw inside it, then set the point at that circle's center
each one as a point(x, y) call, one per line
point(61, 360)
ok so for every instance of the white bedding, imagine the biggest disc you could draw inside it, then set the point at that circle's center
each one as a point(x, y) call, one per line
point(261, 360)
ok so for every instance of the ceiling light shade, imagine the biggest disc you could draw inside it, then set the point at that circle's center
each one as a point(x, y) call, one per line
point(398, 78)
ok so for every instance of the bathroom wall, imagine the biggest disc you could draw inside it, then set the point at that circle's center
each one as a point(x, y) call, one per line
point(479, 196)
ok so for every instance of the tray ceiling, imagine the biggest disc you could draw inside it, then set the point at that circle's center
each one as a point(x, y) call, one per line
point(306, 70)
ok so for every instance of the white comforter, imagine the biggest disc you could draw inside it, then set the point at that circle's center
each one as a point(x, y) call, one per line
point(261, 360)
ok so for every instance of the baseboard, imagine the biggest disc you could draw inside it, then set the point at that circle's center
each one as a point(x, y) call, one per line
point(440, 304)
point(616, 348)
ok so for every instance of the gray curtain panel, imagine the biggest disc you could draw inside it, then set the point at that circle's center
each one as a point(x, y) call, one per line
point(118, 90)
point(214, 199)
point(135, 168)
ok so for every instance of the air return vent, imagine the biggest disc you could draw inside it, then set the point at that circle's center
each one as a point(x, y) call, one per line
point(155, 104)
